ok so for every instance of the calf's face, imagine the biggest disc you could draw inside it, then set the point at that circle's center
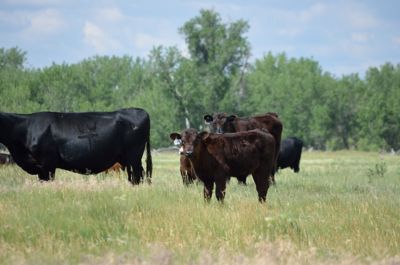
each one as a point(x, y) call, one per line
point(219, 122)
point(188, 140)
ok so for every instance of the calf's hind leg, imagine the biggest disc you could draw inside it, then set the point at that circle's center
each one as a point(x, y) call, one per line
point(262, 181)
point(207, 191)
point(220, 190)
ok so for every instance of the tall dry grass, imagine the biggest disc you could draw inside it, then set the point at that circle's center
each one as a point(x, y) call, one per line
point(342, 208)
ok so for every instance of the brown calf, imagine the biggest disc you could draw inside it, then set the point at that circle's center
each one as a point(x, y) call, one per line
point(187, 173)
point(216, 157)
point(222, 123)
point(117, 167)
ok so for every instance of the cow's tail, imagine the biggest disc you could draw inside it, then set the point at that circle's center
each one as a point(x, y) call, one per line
point(149, 162)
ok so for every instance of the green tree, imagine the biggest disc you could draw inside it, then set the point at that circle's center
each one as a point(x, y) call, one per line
point(343, 103)
point(294, 88)
point(15, 90)
point(218, 57)
point(380, 113)
point(12, 58)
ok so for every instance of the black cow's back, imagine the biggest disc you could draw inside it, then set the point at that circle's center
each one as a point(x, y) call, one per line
point(87, 142)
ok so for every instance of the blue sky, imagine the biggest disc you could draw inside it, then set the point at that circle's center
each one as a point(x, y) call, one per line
point(344, 36)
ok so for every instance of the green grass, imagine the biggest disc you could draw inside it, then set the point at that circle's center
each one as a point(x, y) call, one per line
point(342, 208)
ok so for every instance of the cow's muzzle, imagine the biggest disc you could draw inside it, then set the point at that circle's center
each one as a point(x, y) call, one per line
point(188, 153)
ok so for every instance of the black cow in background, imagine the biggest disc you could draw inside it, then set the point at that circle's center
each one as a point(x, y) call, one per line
point(86, 143)
point(290, 153)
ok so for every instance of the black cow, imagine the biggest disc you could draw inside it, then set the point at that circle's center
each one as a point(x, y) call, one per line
point(290, 153)
point(86, 143)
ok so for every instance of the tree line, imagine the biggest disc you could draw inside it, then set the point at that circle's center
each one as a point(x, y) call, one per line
point(177, 89)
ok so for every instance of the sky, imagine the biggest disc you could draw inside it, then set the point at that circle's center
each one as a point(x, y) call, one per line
point(344, 36)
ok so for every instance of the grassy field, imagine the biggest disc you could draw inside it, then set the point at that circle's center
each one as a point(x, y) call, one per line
point(342, 208)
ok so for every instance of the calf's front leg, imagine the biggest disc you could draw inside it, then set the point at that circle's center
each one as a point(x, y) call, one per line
point(208, 188)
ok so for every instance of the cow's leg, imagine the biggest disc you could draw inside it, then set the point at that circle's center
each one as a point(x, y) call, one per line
point(220, 189)
point(191, 176)
point(43, 176)
point(261, 179)
point(130, 173)
point(46, 175)
point(296, 167)
point(273, 178)
point(186, 177)
point(138, 172)
point(52, 174)
point(242, 180)
point(208, 188)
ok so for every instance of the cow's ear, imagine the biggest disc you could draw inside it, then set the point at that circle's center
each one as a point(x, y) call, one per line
point(175, 136)
point(204, 135)
point(208, 118)
point(231, 118)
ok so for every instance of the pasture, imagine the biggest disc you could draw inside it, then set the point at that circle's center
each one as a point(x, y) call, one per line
point(342, 208)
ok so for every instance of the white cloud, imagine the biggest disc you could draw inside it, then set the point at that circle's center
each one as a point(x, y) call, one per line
point(358, 16)
point(97, 38)
point(294, 17)
point(396, 40)
point(312, 12)
point(290, 32)
point(226, 7)
point(13, 19)
point(361, 37)
point(44, 22)
point(360, 67)
point(144, 41)
point(33, 2)
point(111, 14)
point(355, 50)
point(288, 23)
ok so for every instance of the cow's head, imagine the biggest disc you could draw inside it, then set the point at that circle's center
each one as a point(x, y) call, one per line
point(189, 140)
point(220, 122)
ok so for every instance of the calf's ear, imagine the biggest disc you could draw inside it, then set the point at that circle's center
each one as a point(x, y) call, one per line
point(204, 135)
point(231, 118)
point(175, 136)
point(208, 118)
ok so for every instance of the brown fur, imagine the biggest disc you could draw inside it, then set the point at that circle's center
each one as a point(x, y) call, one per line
point(221, 122)
point(187, 173)
point(215, 157)
point(117, 167)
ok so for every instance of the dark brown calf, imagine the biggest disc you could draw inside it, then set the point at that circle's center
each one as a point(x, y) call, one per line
point(222, 123)
point(216, 157)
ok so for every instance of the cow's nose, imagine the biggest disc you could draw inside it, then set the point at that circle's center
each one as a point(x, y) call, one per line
point(188, 153)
